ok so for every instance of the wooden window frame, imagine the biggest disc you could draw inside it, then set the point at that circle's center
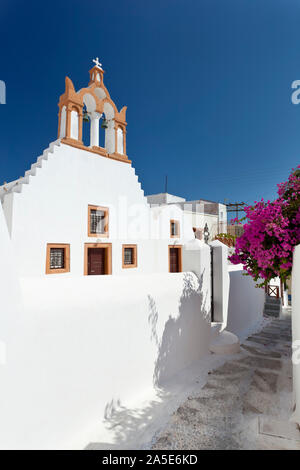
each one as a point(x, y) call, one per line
point(177, 224)
point(66, 247)
point(105, 234)
point(134, 265)
point(108, 258)
point(179, 247)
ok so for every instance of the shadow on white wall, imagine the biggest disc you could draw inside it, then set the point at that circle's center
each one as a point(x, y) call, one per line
point(185, 338)
point(184, 341)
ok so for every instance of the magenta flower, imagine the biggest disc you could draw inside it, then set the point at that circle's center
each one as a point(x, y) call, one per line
point(271, 233)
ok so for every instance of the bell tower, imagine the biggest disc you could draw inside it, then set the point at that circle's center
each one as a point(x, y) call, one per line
point(96, 73)
point(93, 104)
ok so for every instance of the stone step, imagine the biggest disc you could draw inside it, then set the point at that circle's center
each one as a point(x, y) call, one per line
point(271, 314)
point(273, 300)
point(272, 307)
point(273, 304)
point(276, 308)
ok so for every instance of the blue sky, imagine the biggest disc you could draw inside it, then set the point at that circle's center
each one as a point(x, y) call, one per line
point(207, 84)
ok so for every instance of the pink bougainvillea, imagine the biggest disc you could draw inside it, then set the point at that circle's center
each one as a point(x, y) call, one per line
point(271, 233)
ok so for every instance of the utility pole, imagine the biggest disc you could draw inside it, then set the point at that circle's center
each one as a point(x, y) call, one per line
point(235, 207)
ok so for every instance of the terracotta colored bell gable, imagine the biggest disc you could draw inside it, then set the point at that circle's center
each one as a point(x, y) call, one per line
point(98, 104)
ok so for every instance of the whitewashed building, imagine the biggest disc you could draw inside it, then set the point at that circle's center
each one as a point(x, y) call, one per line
point(198, 213)
point(80, 210)
point(74, 345)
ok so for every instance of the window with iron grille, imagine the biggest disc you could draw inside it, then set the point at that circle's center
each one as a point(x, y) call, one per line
point(129, 256)
point(174, 228)
point(97, 221)
point(57, 258)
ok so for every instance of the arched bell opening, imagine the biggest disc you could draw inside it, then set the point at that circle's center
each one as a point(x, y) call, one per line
point(120, 141)
point(63, 122)
point(102, 130)
point(86, 124)
point(108, 125)
point(74, 124)
point(90, 125)
point(101, 95)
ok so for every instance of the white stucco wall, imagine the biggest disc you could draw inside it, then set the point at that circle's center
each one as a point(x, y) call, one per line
point(10, 312)
point(164, 198)
point(221, 282)
point(160, 224)
point(246, 303)
point(197, 212)
point(10, 293)
point(296, 331)
point(199, 220)
point(79, 346)
point(196, 258)
point(222, 218)
point(53, 208)
point(7, 207)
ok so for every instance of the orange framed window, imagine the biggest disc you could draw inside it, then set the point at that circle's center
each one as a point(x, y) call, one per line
point(58, 258)
point(129, 256)
point(174, 228)
point(98, 221)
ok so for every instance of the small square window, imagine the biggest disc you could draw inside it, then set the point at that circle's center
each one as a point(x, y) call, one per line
point(97, 221)
point(129, 256)
point(174, 228)
point(58, 258)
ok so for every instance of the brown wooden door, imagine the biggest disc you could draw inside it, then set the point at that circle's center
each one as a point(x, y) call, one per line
point(174, 260)
point(96, 261)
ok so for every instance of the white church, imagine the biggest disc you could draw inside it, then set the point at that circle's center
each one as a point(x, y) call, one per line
point(107, 295)
point(80, 210)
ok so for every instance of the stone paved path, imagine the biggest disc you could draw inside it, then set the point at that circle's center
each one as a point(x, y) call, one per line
point(250, 389)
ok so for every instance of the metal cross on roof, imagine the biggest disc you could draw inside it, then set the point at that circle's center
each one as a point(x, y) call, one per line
point(97, 63)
